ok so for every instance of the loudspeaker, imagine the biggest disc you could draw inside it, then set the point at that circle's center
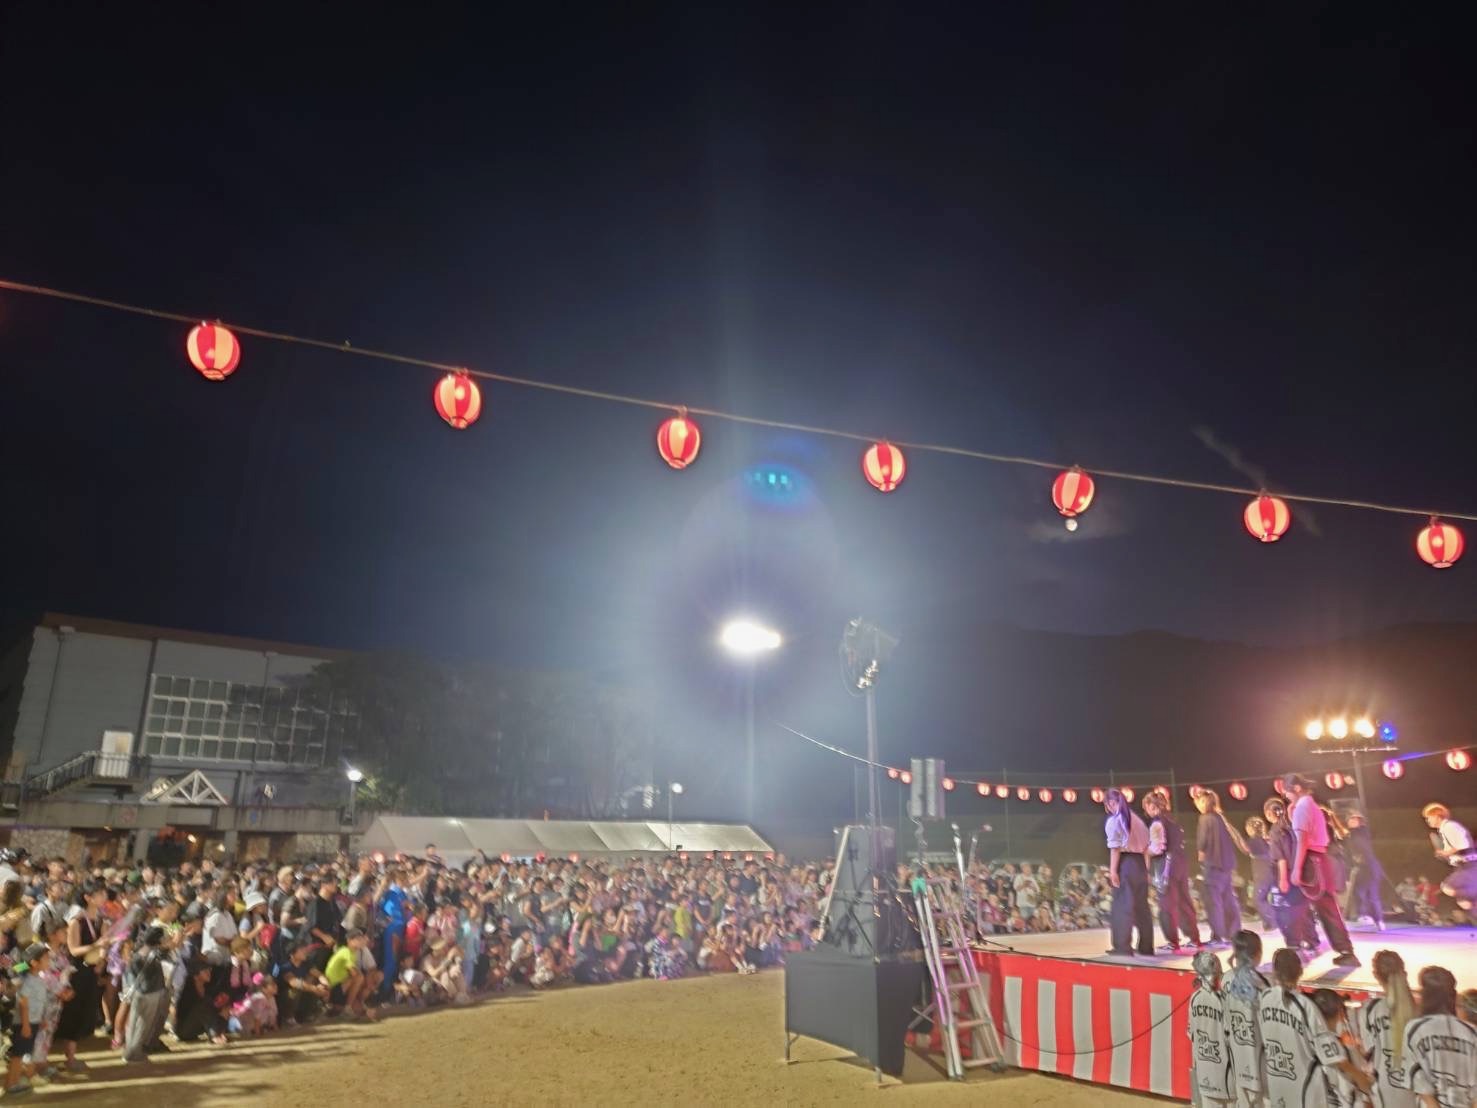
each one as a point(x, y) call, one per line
point(863, 917)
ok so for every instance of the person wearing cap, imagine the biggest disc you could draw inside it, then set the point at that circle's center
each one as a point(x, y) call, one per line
point(1311, 870)
point(1366, 876)
point(31, 999)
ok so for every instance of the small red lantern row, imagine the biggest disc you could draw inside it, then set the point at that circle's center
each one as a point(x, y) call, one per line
point(1044, 796)
point(1267, 518)
point(1023, 793)
point(1069, 795)
point(1458, 760)
point(948, 784)
point(458, 400)
point(905, 777)
point(1439, 544)
point(1002, 791)
point(1237, 790)
point(1393, 768)
point(883, 466)
point(1097, 796)
point(1334, 781)
point(213, 350)
point(678, 441)
point(1072, 493)
point(1127, 793)
point(892, 772)
point(983, 788)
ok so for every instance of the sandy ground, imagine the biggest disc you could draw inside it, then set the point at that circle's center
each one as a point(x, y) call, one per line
point(702, 1040)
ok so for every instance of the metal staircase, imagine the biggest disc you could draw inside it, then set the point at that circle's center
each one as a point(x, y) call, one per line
point(958, 1006)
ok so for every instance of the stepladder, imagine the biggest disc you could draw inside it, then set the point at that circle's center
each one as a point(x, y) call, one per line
point(958, 1006)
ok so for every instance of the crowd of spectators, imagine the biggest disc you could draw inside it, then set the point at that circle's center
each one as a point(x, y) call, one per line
point(208, 952)
point(1019, 898)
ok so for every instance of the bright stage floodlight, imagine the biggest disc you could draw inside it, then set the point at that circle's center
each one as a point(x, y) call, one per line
point(747, 638)
point(1364, 727)
point(1314, 730)
point(1338, 728)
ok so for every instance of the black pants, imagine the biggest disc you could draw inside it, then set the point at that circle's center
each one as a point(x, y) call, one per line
point(1222, 911)
point(1130, 909)
point(1325, 905)
point(1364, 893)
point(1177, 907)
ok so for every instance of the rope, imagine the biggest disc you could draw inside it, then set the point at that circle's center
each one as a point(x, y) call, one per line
point(731, 417)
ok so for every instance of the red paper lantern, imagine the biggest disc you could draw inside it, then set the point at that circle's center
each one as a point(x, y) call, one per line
point(1278, 787)
point(678, 441)
point(1127, 793)
point(983, 788)
point(1458, 760)
point(1237, 790)
point(1069, 795)
point(1002, 791)
point(1097, 796)
point(1044, 796)
point(1439, 544)
point(574, 857)
point(213, 350)
point(1334, 781)
point(883, 466)
point(905, 777)
point(1023, 793)
point(1393, 768)
point(948, 784)
point(1195, 791)
point(1267, 518)
point(1072, 492)
point(458, 400)
point(892, 772)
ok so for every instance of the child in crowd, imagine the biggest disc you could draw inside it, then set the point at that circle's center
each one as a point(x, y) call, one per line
point(31, 999)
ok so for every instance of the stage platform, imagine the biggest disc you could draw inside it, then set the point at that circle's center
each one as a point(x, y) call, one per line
point(1065, 1006)
point(1452, 947)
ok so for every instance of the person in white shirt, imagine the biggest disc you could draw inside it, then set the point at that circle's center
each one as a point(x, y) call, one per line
point(1348, 1084)
point(1441, 1048)
point(1241, 995)
point(1311, 870)
point(1128, 873)
point(1380, 1028)
point(1453, 844)
point(1212, 1074)
point(220, 929)
point(1297, 1046)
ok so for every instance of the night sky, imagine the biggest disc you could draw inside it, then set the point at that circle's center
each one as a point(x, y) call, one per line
point(1055, 234)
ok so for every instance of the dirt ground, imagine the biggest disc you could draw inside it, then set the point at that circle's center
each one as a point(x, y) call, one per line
point(702, 1040)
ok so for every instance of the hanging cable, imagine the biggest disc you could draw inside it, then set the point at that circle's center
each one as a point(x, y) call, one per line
point(731, 417)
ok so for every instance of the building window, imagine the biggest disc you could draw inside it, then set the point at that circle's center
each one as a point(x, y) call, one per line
point(226, 721)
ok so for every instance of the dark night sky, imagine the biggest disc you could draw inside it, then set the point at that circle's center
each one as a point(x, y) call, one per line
point(1057, 234)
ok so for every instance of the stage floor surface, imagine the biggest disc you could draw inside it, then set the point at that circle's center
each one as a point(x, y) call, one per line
point(1452, 947)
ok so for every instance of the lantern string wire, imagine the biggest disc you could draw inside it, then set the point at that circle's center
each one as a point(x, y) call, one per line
point(730, 417)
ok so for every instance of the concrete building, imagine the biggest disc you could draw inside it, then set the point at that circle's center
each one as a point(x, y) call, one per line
point(118, 739)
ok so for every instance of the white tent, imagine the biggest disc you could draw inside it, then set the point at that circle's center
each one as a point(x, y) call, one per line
point(457, 839)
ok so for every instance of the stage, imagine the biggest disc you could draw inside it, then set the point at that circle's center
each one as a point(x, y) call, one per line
point(1065, 1006)
point(1452, 947)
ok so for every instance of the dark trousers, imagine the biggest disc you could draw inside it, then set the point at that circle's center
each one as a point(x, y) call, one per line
point(1364, 893)
point(1177, 908)
point(1325, 905)
point(1222, 912)
point(1130, 909)
point(1262, 897)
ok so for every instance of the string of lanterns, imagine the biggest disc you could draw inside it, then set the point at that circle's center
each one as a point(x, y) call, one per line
point(1457, 760)
point(215, 352)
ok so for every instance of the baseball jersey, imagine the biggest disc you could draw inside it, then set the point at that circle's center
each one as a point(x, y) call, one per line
point(1295, 1045)
point(1442, 1059)
point(1245, 1039)
point(1391, 1081)
point(1210, 1052)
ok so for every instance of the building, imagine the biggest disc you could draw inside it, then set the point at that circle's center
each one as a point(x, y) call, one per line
point(118, 739)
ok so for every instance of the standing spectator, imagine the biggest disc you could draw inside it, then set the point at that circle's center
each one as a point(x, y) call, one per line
point(148, 1004)
point(1312, 870)
point(220, 928)
point(1217, 841)
point(1242, 993)
point(1380, 1029)
point(1442, 1050)
point(323, 922)
point(1027, 892)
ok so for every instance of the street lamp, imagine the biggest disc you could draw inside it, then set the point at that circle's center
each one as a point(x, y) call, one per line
point(674, 789)
point(354, 776)
point(748, 640)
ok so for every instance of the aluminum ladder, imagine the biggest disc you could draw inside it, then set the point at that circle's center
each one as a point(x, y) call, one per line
point(953, 972)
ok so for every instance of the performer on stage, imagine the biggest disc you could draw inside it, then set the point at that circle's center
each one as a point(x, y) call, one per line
point(1311, 870)
point(1263, 871)
point(1366, 876)
point(1172, 876)
point(1453, 844)
point(1289, 906)
point(1128, 843)
point(1217, 842)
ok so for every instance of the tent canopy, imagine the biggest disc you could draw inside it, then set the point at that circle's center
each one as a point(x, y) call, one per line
point(457, 839)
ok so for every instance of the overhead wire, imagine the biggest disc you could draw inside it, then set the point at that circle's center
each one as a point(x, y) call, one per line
point(728, 416)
